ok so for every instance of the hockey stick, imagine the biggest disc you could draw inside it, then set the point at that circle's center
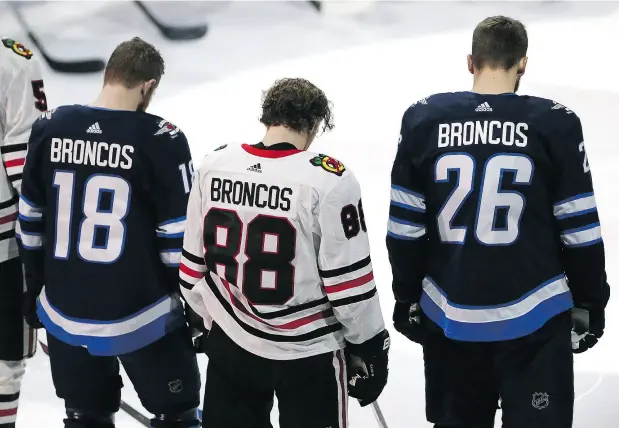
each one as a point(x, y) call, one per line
point(69, 66)
point(173, 32)
point(379, 415)
point(130, 410)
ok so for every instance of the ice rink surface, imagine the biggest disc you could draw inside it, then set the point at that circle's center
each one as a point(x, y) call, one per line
point(373, 67)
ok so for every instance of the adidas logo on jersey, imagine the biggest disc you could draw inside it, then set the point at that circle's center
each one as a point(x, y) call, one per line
point(255, 168)
point(94, 129)
point(483, 107)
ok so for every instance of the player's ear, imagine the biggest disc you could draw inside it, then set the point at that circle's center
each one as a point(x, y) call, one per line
point(469, 60)
point(522, 65)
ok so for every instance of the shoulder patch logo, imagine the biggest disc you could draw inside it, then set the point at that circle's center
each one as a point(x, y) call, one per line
point(558, 106)
point(223, 146)
point(166, 127)
point(329, 164)
point(17, 47)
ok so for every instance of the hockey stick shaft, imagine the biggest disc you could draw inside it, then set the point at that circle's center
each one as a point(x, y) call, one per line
point(173, 32)
point(127, 408)
point(69, 66)
point(380, 418)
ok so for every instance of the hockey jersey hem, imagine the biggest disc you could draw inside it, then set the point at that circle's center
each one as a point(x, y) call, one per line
point(111, 338)
point(497, 323)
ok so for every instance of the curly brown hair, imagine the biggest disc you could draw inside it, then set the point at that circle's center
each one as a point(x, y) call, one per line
point(297, 104)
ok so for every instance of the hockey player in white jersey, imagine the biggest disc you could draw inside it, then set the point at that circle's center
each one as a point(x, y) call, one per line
point(22, 99)
point(276, 260)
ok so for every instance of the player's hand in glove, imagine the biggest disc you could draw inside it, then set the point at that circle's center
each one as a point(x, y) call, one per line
point(407, 320)
point(199, 332)
point(587, 329)
point(367, 367)
point(29, 309)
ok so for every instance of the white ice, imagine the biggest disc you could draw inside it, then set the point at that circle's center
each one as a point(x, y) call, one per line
point(372, 66)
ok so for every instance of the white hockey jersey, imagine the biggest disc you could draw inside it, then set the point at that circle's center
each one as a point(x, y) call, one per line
point(22, 99)
point(277, 254)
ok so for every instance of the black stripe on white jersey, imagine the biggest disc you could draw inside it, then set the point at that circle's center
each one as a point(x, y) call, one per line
point(331, 273)
point(322, 331)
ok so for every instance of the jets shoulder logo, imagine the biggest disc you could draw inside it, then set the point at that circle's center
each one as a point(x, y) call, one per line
point(558, 106)
point(166, 127)
point(17, 47)
point(329, 164)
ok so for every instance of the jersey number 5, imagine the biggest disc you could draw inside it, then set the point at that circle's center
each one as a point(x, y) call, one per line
point(492, 198)
point(105, 204)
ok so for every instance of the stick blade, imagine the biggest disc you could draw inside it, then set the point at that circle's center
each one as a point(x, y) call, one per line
point(69, 66)
point(184, 33)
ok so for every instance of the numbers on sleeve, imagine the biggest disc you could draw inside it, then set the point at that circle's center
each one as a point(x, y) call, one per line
point(492, 199)
point(105, 204)
point(187, 174)
point(270, 249)
point(585, 162)
point(353, 220)
point(38, 90)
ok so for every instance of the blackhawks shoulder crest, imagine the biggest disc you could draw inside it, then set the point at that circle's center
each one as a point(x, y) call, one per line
point(17, 47)
point(329, 164)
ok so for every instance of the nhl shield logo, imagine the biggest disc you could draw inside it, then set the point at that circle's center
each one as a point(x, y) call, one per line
point(175, 386)
point(540, 400)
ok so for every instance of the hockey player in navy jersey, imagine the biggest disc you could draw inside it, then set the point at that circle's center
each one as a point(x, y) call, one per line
point(276, 260)
point(101, 221)
point(495, 244)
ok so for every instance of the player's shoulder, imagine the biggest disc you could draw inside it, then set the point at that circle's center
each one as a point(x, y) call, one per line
point(435, 106)
point(549, 109)
point(158, 128)
point(217, 157)
point(14, 55)
point(325, 171)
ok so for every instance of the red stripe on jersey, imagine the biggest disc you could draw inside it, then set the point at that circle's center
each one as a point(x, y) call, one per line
point(188, 271)
point(14, 162)
point(266, 153)
point(287, 326)
point(8, 412)
point(8, 218)
point(350, 284)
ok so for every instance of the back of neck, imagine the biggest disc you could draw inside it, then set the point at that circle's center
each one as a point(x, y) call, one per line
point(116, 97)
point(494, 82)
point(281, 134)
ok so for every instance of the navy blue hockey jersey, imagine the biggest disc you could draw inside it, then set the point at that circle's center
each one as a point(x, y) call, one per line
point(101, 223)
point(493, 225)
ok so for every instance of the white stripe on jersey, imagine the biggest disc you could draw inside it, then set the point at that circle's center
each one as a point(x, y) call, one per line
point(28, 211)
point(494, 314)
point(110, 328)
point(172, 228)
point(578, 205)
point(401, 229)
point(407, 199)
point(582, 236)
point(170, 257)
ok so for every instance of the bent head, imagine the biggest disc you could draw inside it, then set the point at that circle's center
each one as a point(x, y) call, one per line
point(138, 67)
point(499, 44)
point(299, 106)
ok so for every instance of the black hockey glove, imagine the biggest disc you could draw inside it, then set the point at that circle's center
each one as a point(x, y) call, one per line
point(407, 320)
point(587, 329)
point(199, 333)
point(29, 310)
point(367, 367)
